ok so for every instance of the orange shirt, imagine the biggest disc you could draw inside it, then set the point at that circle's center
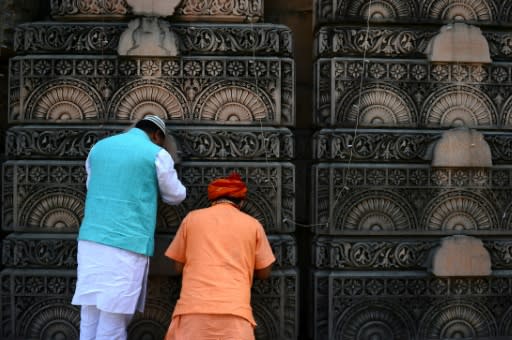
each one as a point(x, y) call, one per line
point(220, 247)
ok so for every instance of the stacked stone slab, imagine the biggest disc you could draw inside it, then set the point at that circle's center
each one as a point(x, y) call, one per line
point(384, 197)
point(228, 100)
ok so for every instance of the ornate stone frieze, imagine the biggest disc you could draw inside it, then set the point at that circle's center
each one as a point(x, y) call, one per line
point(347, 254)
point(188, 10)
point(41, 196)
point(237, 90)
point(410, 306)
point(230, 143)
point(334, 253)
point(412, 11)
point(384, 93)
point(384, 145)
point(201, 38)
point(397, 199)
point(41, 309)
point(381, 41)
point(59, 251)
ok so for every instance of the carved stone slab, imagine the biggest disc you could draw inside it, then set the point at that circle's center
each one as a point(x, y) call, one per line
point(385, 41)
point(411, 94)
point(203, 142)
point(410, 199)
point(199, 38)
point(387, 145)
point(237, 90)
point(339, 253)
point(36, 305)
point(58, 251)
point(413, 11)
point(188, 10)
point(39, 196)
point(412, 306)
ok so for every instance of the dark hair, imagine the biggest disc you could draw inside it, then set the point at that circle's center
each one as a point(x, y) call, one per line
point(149, 127)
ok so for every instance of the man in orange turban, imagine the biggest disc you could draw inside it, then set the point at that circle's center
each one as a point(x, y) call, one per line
point(218, 250)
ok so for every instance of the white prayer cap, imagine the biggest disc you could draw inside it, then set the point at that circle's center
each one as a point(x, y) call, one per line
point(157, 121)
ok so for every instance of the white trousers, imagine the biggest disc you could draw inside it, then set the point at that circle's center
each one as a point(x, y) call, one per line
point(96, 324)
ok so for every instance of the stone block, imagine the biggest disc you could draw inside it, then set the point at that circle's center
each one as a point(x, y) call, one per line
point(41, 196)
point(194, 90)
point(462, 148)
point(36, 305)
point(158, 8)
point(461, 255)
point(195, 143)
point(188, 10)
point(410, 94)
point(260, 39)
point(459, 43)
point(397, 199)
point(148, 36)
point(352, 305)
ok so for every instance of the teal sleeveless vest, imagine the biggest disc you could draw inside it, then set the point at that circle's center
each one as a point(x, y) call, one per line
point(121, 201)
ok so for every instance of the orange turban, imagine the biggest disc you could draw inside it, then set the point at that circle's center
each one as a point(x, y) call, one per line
point(231, 186)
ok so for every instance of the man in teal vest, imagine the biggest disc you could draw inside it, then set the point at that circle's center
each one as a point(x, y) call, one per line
point(125, 175)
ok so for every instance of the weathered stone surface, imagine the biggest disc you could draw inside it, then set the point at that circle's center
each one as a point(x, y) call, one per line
point(237, 90)
point(462, 148)
point(38, 305)
point(411, 93)
point(460, 255)
point(13, 13)
point(58, 251)
point(195, 143)
point(459, 43)
point(148, 36)
point(188, 10)
point(412, 305)
point(158, 8)
point(197, 39)
point(371, 145)
point(397, 200)
point(43, 197)
point(413, 11)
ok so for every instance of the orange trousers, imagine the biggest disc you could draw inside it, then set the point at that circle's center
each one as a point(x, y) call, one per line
point(209, 327)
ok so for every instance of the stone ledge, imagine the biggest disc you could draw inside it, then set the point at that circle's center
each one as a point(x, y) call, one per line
point(195, 38)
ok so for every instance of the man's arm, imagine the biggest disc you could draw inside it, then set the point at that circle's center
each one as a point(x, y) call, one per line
point(178, 267)
point(264, 273)
point(171, 189)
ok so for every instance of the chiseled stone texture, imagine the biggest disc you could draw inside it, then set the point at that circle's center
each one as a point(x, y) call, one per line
point(42, 197)
point(393, 199)
point(36, 305)
point(413, 11)
point(353, 305)
point(461, 255)
point(259, 39)
point(459, 43)
point(153, 8)
point(196, 90)
point(148, 36)
point(462, 148)
point(188, 10)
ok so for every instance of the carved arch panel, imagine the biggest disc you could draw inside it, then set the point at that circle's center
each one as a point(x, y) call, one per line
point(63, 100)
point(377, 105)
point(463, 10)
point(455, 106)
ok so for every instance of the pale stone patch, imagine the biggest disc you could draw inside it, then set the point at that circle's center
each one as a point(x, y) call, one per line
point(462, 148)
point(459, 42)
point(461, 255)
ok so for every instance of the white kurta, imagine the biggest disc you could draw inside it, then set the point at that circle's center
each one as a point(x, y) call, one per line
point(113, 279)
